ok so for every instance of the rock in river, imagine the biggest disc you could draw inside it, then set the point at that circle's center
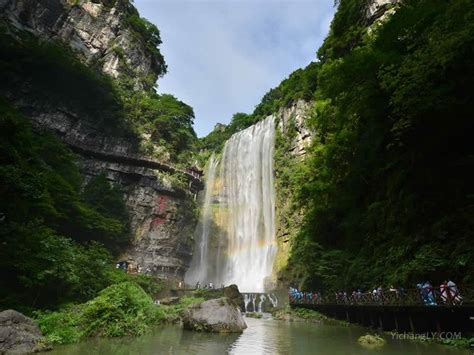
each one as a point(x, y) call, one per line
point(219, 315)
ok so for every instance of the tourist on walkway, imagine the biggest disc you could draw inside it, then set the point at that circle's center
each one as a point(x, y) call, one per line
point(454, 293)
point(427, 293)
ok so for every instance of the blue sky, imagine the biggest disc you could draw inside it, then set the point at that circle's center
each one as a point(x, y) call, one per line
point(224, 55)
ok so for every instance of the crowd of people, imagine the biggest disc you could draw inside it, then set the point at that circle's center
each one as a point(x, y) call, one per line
point(297, 296)
point(447, 294)
point(208, 286)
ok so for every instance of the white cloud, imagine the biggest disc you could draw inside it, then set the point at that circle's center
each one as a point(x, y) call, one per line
point(223, 56)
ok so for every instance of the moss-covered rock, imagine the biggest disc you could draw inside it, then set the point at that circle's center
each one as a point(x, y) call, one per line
point(371, 341)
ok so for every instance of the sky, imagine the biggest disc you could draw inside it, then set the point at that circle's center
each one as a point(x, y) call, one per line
point(224, 55)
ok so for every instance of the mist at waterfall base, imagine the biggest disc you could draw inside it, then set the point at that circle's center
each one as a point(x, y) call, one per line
point(235, 237)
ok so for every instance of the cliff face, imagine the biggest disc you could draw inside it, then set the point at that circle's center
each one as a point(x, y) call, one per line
point(294, 118)
point(98, 31)
point(377, 8)
point(162, 218)
point(291, 148)
point(161, 214)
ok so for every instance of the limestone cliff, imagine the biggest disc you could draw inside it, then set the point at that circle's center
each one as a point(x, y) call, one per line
point(294, 118)
point(293, 139)
point(160, 196)
point(101, 32)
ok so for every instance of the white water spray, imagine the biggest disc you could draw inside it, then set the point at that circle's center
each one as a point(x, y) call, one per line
point(243, 247)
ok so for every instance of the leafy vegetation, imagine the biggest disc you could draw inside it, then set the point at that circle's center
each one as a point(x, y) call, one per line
point(386, 188)
point(119, 310)
point(166, 122)
point(59, 233)
point(149, 35)
point(123, 309)
point(347, 29)
point(383, 195)
point(51, 76)
point(52, 231)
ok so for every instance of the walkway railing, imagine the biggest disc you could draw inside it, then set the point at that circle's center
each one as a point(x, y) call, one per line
point(429, 296)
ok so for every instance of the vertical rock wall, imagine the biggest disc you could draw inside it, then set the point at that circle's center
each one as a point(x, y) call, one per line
point(97, 31)
point(162, 216)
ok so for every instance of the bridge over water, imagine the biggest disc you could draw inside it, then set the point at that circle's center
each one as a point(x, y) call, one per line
point(402, 311)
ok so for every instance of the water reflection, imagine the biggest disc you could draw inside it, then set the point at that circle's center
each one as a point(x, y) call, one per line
point(263, 336)
point(276, 337)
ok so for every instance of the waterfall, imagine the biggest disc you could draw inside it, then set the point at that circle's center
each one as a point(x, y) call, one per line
point(260, 302)
point(240, 247)
point(198, 270)
point(273, 299)
point(246, 300)
point(262, 299)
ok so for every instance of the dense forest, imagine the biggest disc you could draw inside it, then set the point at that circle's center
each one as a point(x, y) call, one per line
point(60, 233)
point(384, 194)
point(387, 189)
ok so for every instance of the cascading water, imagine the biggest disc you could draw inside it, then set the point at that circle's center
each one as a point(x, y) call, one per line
point(260, 302)
point(262, 299)
point(200, 263)
point(240, 244)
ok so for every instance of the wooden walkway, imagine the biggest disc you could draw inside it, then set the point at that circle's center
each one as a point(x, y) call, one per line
point(414, 310)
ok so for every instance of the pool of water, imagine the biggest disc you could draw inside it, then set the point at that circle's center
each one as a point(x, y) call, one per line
point(263, 336)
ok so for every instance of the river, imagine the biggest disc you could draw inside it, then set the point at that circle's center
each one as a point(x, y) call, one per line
point(263, 336)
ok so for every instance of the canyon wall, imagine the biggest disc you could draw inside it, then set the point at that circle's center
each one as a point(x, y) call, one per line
point(162, 211)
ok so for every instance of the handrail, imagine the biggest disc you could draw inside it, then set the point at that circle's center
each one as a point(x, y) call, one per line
point(429, 296)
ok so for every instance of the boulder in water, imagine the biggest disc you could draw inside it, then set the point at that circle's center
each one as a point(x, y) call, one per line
point(219, 315)
point(371, 341)
point(19, 334)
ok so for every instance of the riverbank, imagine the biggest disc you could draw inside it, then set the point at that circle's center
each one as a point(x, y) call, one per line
point(304, 315)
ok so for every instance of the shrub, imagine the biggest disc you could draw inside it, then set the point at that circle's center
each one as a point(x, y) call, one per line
point(123, 309)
